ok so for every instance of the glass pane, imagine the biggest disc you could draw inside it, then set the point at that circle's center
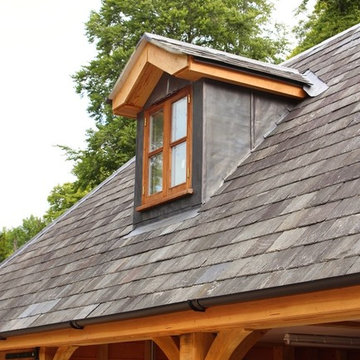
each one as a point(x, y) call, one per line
point(179, 117)
point(155, 173)
point(156, 130)
point(178, 164)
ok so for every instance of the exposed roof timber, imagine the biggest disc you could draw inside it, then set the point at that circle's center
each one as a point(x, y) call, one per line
point(225, 58)
point(152, 59)
point(143, 75)
point(197, 70)
point(295, 310)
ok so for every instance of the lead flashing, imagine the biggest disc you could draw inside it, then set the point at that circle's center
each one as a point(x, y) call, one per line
point(317, 87)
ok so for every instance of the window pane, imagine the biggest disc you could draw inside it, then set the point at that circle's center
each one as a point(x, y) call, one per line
point(179, 117)
point(155, 173)
point(178, 165)
point(156, 130)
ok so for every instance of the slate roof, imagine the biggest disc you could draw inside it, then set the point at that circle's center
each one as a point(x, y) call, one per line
point(287, 217)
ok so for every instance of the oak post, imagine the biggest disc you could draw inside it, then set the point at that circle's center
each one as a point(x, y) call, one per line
point(102, 352)
point(283, 353)
point(195, 346)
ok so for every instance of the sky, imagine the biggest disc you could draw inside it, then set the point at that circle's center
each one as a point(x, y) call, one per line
point(42, 43)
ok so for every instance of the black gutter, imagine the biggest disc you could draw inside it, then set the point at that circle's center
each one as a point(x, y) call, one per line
point(200, 304)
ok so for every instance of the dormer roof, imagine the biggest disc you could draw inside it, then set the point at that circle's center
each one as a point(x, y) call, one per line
point(156, 54)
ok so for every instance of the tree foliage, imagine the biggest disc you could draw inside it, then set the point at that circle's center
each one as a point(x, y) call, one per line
point(238, 26)
point(12, 239)
point(328, 18)
point(61, 198)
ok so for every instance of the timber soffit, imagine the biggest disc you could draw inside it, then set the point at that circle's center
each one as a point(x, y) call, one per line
point(288, 216)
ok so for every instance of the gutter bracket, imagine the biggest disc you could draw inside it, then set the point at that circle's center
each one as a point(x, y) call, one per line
point(75, 325)
point(196, 306)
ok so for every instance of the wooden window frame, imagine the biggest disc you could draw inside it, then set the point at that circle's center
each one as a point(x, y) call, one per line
point(168, 192)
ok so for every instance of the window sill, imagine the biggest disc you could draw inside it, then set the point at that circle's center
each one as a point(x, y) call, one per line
point(151, 204)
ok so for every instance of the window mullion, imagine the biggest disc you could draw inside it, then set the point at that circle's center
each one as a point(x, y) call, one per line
point(167, 150)
point(189, 142)
point(145, 182)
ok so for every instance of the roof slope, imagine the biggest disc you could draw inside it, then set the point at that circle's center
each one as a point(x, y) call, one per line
point(288, 216)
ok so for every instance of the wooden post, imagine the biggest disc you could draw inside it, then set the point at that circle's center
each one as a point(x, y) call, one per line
point(341, 355)
point(46, 353)
point(283, 353)
point(102, 352)
point(195, 346)
point(148, 350)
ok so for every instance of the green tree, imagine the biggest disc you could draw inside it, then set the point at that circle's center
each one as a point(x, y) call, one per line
point(12, 239)
point(328, 18)
point(61, 198)
point(238, 26)
point(5, 246)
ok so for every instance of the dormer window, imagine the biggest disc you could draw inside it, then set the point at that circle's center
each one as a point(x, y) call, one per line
point(167, 150)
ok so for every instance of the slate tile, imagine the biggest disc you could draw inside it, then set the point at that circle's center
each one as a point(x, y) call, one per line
point(286, 239)
point(18, 324)
point(355, 267)
point(260, 245)
point(307, 254)
point(338, 267)
point(342, 247)
point(259, 229)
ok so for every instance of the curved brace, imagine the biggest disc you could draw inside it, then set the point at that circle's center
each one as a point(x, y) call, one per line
point(64, 352)
point(168, 347)
point(233, 344)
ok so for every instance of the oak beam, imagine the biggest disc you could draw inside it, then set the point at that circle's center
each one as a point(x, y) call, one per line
point(197, 70)
point(168, 346)
point(303, 309)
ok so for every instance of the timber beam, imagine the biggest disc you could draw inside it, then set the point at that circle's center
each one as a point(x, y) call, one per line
point(296, 310)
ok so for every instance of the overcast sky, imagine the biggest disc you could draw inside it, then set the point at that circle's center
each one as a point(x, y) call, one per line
point(42, 43)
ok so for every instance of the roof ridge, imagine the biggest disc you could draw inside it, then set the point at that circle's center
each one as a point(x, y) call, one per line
point(67, 212)
point(319, 45)
point(155, 37)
